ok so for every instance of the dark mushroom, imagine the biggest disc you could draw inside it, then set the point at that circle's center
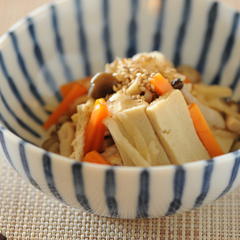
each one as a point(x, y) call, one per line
point(101, 85)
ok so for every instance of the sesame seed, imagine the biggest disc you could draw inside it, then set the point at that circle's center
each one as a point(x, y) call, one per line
point(131, 77)
point(143, 89)
point(152, 87)
point(127, 71)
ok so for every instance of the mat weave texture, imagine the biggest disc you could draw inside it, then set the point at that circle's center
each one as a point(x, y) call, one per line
point(26, 213)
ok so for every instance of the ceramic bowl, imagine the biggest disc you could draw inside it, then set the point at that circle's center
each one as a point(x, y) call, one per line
point(70, 39)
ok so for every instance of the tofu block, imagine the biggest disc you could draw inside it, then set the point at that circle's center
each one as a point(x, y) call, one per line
point(143, 136)
point(171, 120)
point(126, 147)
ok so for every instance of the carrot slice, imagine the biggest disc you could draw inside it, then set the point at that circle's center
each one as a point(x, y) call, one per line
point(67, 87)
point(76, 92)
point(96, 129)
point(187, 80)
point(95, 157)
point(161, 84)
point(204, 132)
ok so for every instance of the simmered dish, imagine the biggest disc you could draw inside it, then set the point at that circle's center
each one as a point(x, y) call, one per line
point(142, 111)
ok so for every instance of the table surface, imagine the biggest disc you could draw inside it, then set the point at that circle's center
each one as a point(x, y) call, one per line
point(26, 213)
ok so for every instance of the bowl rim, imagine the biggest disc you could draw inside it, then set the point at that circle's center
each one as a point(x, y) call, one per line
point(13, 137)
point(220, 159)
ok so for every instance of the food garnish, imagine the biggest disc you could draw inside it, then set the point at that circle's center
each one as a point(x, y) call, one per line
point(141, 111)
point(204, 132)
point(95, 130)
point(72, 95)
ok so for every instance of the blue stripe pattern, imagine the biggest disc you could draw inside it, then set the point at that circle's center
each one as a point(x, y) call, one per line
point(4, 147)
point(25, 165)
point(179, 182)
point(211, 22)
point(236, 79)
point(24, 70)
point(157, 37)
point(110, 191)
point(6, 124)
point(79, 186)
point(41, 62)
point(106, 31)
point(59, 45)
point(82, 37)
point(132, 31)
point(227, 50)
point(143, 198)
point(19, 121)
point(235, 170)
point(181, 33)
point(47, 166)
point(15, 91)
point(206, 183)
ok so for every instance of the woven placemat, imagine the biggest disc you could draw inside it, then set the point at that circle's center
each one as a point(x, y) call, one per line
point(26, 213)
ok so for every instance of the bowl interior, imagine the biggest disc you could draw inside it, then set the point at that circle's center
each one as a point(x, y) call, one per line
point(70, 39)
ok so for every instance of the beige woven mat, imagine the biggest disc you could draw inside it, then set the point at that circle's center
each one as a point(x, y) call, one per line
point(25, 213)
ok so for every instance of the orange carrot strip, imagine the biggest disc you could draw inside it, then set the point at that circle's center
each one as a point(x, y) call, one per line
point(67, 87)
point(76, 92)
point(161, 84)
point(95, 157)
point(204, 132)
point(187, 80)
point(96, 129)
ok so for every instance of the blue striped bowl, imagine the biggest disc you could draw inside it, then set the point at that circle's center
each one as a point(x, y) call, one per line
point(71, 39)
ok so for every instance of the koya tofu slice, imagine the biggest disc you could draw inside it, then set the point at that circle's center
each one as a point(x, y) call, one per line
point(143, 135)
point(81, 119)
point(171, 120)
point(124, 143)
